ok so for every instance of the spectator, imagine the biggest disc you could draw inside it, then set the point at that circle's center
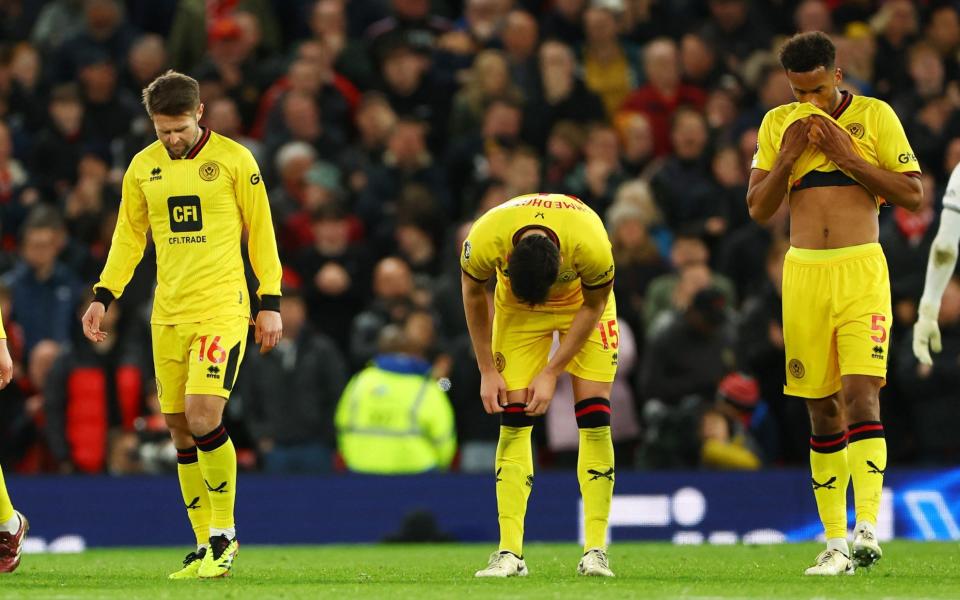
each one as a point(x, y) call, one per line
point(393, 418)
point(92, 394)
point(663, 93)
point(56, 149)
point(392, 302)
point(596, 179)
point(559, 95)
point(411, 23)
point(683, 187)
point(44, 289)
point(520, 38)
point(104, 31)
point(146, 60)
point(611, 67)
point(897, 24)
point(289, 395)
point(564, 21)
point(691, 353)
point(328, 24)
point(727, 442)
point(487, 79)
point(734, 31)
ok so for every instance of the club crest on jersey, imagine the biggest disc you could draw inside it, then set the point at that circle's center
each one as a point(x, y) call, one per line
point(856, 130)
point(209, 171)
point(567, 276)
point(796, 368)
point(466, 250)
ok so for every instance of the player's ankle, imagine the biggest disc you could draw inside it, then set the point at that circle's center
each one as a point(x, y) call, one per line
point(838, 544)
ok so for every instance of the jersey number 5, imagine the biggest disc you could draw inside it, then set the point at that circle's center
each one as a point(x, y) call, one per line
point(876, 324)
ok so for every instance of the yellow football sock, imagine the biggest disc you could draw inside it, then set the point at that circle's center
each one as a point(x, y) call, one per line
point(194, 493)
point(218, 466)
point(828, 465)
point(6, 507)
point(595, 473)
point(867, 459)
point(514, 465)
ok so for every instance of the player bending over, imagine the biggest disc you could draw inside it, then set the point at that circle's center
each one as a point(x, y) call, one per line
point(554, 273)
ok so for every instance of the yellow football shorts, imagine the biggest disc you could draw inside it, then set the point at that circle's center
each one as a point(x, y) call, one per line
point(197, 358)
point(836, 317)
point(522, 341)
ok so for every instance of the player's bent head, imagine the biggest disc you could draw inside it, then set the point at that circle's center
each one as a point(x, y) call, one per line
point(173, 102)
point(533, 268)
point(809, 61)
point(172, 94)
point(807, 52)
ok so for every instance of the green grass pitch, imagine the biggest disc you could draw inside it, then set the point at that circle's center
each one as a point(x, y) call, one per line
point(913, 570)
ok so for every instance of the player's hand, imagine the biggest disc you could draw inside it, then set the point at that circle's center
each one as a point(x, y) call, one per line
point(493, 392)
point(540, 393)
point(6, 365)
point(926, 337)
point(830, 139)
point(91, 322)
point(268, 330)
point(795, 140)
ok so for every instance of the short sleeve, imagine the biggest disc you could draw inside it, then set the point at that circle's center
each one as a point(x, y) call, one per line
point(893, 149)
point(478, 256)
point(595, 256)
point(765, 154)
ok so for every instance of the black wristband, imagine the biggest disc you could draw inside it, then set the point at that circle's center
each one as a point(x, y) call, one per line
point(270, 303)
point(104, 296)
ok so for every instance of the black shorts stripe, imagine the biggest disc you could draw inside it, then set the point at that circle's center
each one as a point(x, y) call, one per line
point(233, 359)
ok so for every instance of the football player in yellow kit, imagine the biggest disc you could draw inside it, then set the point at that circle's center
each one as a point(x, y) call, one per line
point(554, 269)
point(196, 191)
point(835, 157)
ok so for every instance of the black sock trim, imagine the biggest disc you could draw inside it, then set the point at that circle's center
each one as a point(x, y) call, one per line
point(864, 430)
point(513, 416)
point(213, 440)
point(592, 412)
point(187, 456)
point(828, 444)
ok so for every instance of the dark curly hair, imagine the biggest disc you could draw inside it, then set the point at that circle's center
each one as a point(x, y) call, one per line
point(806, 51)
point(533, 267)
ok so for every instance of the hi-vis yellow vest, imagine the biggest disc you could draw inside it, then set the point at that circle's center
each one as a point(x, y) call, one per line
point(392, 423)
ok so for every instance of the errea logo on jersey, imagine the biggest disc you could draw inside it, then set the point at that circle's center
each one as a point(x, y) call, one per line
point(185, 214)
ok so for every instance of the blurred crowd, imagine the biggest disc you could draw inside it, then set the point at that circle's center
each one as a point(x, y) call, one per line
point(383, 128)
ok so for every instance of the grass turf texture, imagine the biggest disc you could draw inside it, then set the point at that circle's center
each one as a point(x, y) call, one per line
point(912, 570)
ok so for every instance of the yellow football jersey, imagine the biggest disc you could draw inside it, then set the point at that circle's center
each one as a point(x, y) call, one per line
point(585, 252)
point(196, 209)
point(872, 125)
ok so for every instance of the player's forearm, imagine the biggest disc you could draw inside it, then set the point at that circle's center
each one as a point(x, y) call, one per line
point(941, 263)
point(478, 324)
point(897, 188)
point(764, 198)
point(583, 324)
point(125, 254)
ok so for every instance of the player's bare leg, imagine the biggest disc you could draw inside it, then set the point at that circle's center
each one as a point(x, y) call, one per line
point(867, 459)
point(830, 476)
point(595, 471)
point(218, 467)
point(514, 473)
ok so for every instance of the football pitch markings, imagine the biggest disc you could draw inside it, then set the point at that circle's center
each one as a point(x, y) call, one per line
point(914, 570)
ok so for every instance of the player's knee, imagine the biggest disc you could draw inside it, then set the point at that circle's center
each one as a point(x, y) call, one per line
point(826, 415)
point(202, 421)
point(592, 412)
